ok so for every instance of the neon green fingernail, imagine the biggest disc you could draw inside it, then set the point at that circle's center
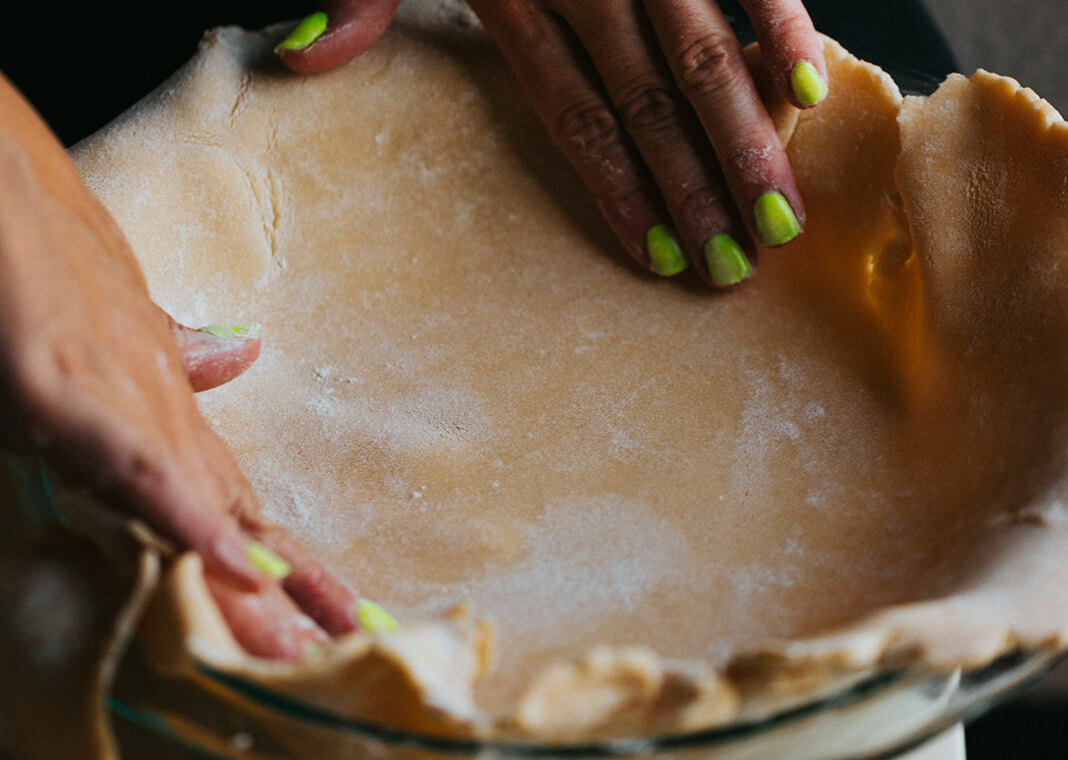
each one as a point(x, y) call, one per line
point(809, 86)
point(775, 221)
point(266, 561)
point(305, 33)
point(665, 250)
point(374, 619)
point(727, 262)
point(232, 330)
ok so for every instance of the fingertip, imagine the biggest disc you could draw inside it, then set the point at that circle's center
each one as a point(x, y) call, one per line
point(304, 34)
point(664, 249)
point(639, 221)
point(727, 263)
point(792, 49)
point(636, 221)
point(325, 599)
point(374, 618)
point(337, 33)
point(216, 354)
point(272, 565)
point(316, 591)
point(777, 221)
point(808, 85)
point(265, 623)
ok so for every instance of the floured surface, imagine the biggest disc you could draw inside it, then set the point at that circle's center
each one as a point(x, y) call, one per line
point(467, 395)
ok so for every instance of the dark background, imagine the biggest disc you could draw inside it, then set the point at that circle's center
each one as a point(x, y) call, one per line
point(82, 63)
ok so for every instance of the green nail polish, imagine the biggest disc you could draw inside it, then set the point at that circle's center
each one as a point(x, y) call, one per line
point(232, 330)
point(665, 250)
point(305, 33)
point(809, 87)
point(266, 561)
point(727, 262)
point(775, 220)
point(374, 619)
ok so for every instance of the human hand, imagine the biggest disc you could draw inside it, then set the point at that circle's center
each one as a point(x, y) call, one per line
point(652, 103)
point(99, 381)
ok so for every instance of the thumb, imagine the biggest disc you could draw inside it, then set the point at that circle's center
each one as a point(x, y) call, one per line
point(338, 32)
point(216, 354)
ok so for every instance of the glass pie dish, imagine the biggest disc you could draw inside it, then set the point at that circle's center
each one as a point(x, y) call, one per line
point(208, 713)
point(878, 716)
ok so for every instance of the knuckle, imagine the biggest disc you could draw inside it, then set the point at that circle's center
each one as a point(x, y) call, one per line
point(518, 23)
point(789, 24)
point(587, 128)
point(621, 205)
point(49, 371)
point(142, 471)
point(257, 525)
point(650, 108)
point(249, 517)
point(50, 355)
point(706, 66)
point(707, 206)
point(235, 491)
point(315, 576)
point(34, 376)
point(752, 162)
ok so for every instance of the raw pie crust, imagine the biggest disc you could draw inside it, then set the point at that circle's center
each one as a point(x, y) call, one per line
point(669, 503)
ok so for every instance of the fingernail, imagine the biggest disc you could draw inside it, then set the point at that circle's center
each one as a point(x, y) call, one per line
point(775, 221)
point(305, 33)
point(374, 619)
point(809, 86)
point(266, 561)
point(232, 330)
point(727, 262)
point(665, 250)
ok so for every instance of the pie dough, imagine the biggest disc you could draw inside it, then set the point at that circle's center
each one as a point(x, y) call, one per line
point(671, 504)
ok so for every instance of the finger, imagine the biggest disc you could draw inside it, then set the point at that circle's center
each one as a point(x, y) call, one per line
point(710, 69)
point(562, 86)
point(168, 499)
point(266, 623)
point(317, 592)
point(791, 48)
point(670, 139)
point(338, 32)
point(216, 354)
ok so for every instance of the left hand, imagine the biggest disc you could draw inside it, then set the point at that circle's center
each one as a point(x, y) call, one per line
point(653, 104)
